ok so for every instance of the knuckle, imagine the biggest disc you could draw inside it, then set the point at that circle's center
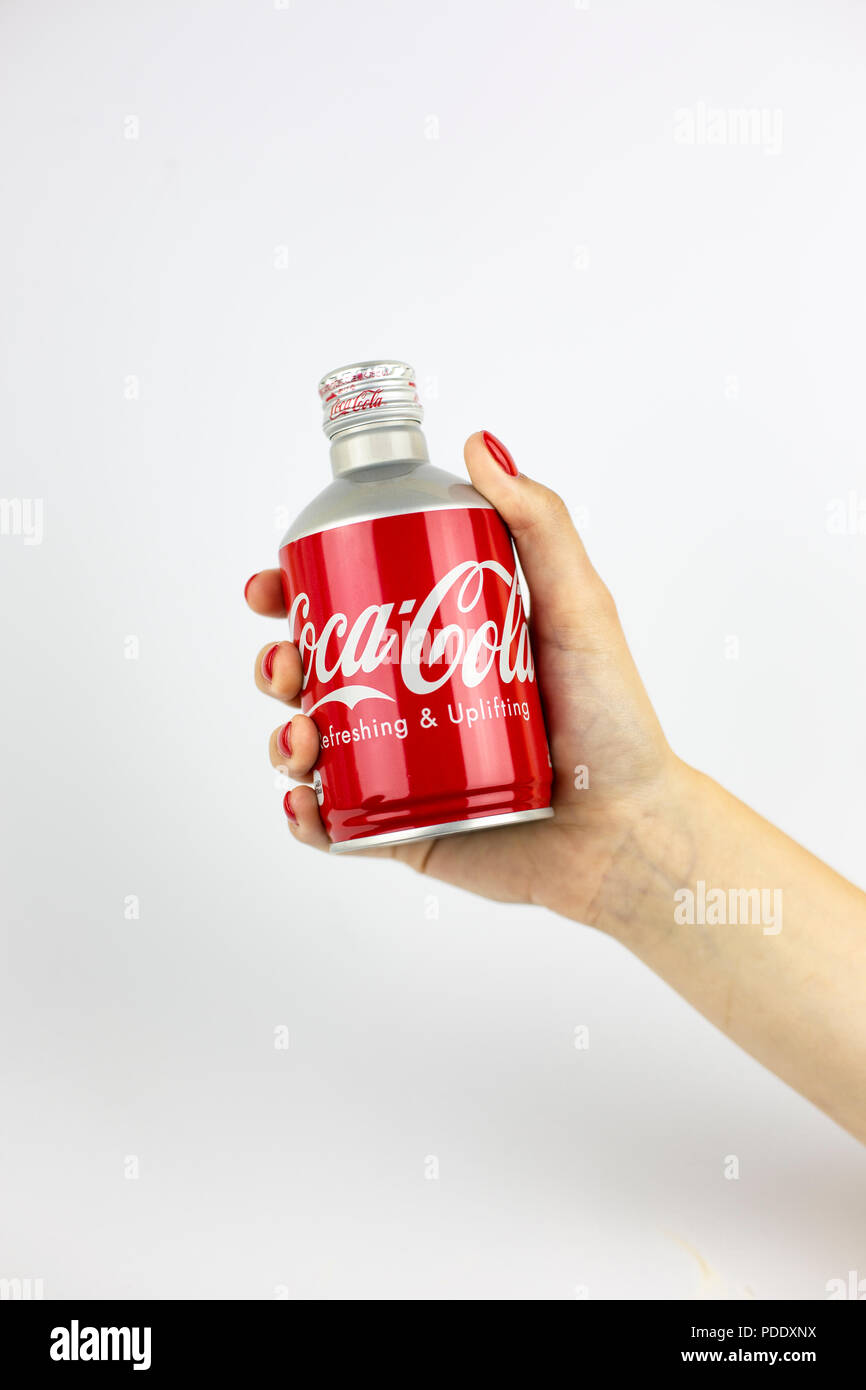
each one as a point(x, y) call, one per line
point(554, 508)
point(605, 600)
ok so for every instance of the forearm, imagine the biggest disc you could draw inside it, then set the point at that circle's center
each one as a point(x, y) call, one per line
point(782, 972)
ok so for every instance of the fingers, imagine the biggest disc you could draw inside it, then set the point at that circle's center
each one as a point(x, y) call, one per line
point(302, 813)
point(264, 594)
point(278, 669)
point(279, 672)
point(567, 594)
point(294, 748)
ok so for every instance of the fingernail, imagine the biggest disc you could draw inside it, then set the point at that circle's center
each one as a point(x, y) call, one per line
point(268, 661)
point(498, 451)
point(284, 740)
point(287, 807)
point(249, 582)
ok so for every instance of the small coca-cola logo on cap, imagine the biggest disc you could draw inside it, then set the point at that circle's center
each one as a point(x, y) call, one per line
point(351, 405)
point(352, 395)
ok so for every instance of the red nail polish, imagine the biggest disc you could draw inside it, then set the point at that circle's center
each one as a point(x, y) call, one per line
point(498, 451)
point(268, 661)
point(287, 807)
point(249, 582)
point(284, 740)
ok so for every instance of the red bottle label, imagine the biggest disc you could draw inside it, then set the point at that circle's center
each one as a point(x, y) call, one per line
point(417, 671)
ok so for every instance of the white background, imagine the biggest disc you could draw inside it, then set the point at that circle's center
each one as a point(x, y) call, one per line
point(670, 333)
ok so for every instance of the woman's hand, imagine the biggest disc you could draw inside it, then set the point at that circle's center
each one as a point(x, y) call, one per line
point(779, 963)
point(598, 717)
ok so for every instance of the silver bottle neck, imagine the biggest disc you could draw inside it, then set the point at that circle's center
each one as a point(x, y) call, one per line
point(364, 448)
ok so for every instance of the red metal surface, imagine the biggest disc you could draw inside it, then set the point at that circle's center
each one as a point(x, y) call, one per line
point(418, 672)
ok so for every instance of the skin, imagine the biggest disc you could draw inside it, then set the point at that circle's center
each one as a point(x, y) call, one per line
point(647, 826)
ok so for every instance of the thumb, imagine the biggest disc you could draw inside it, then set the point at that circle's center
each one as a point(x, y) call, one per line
point(568, 597)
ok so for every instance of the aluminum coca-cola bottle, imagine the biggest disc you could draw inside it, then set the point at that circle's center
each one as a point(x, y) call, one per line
point(404, 601)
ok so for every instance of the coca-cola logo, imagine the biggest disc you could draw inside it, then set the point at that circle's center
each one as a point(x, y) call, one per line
point(349, 405)
point(428, 653)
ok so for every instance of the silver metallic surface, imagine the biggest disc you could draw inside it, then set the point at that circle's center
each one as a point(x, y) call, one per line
point(363, 448)
point(378, 454)
point(369, 394)
point(435, 832)
point(387, 489)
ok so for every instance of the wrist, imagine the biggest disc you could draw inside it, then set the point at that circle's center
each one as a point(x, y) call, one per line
point(643, 848)
point(657, 856)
